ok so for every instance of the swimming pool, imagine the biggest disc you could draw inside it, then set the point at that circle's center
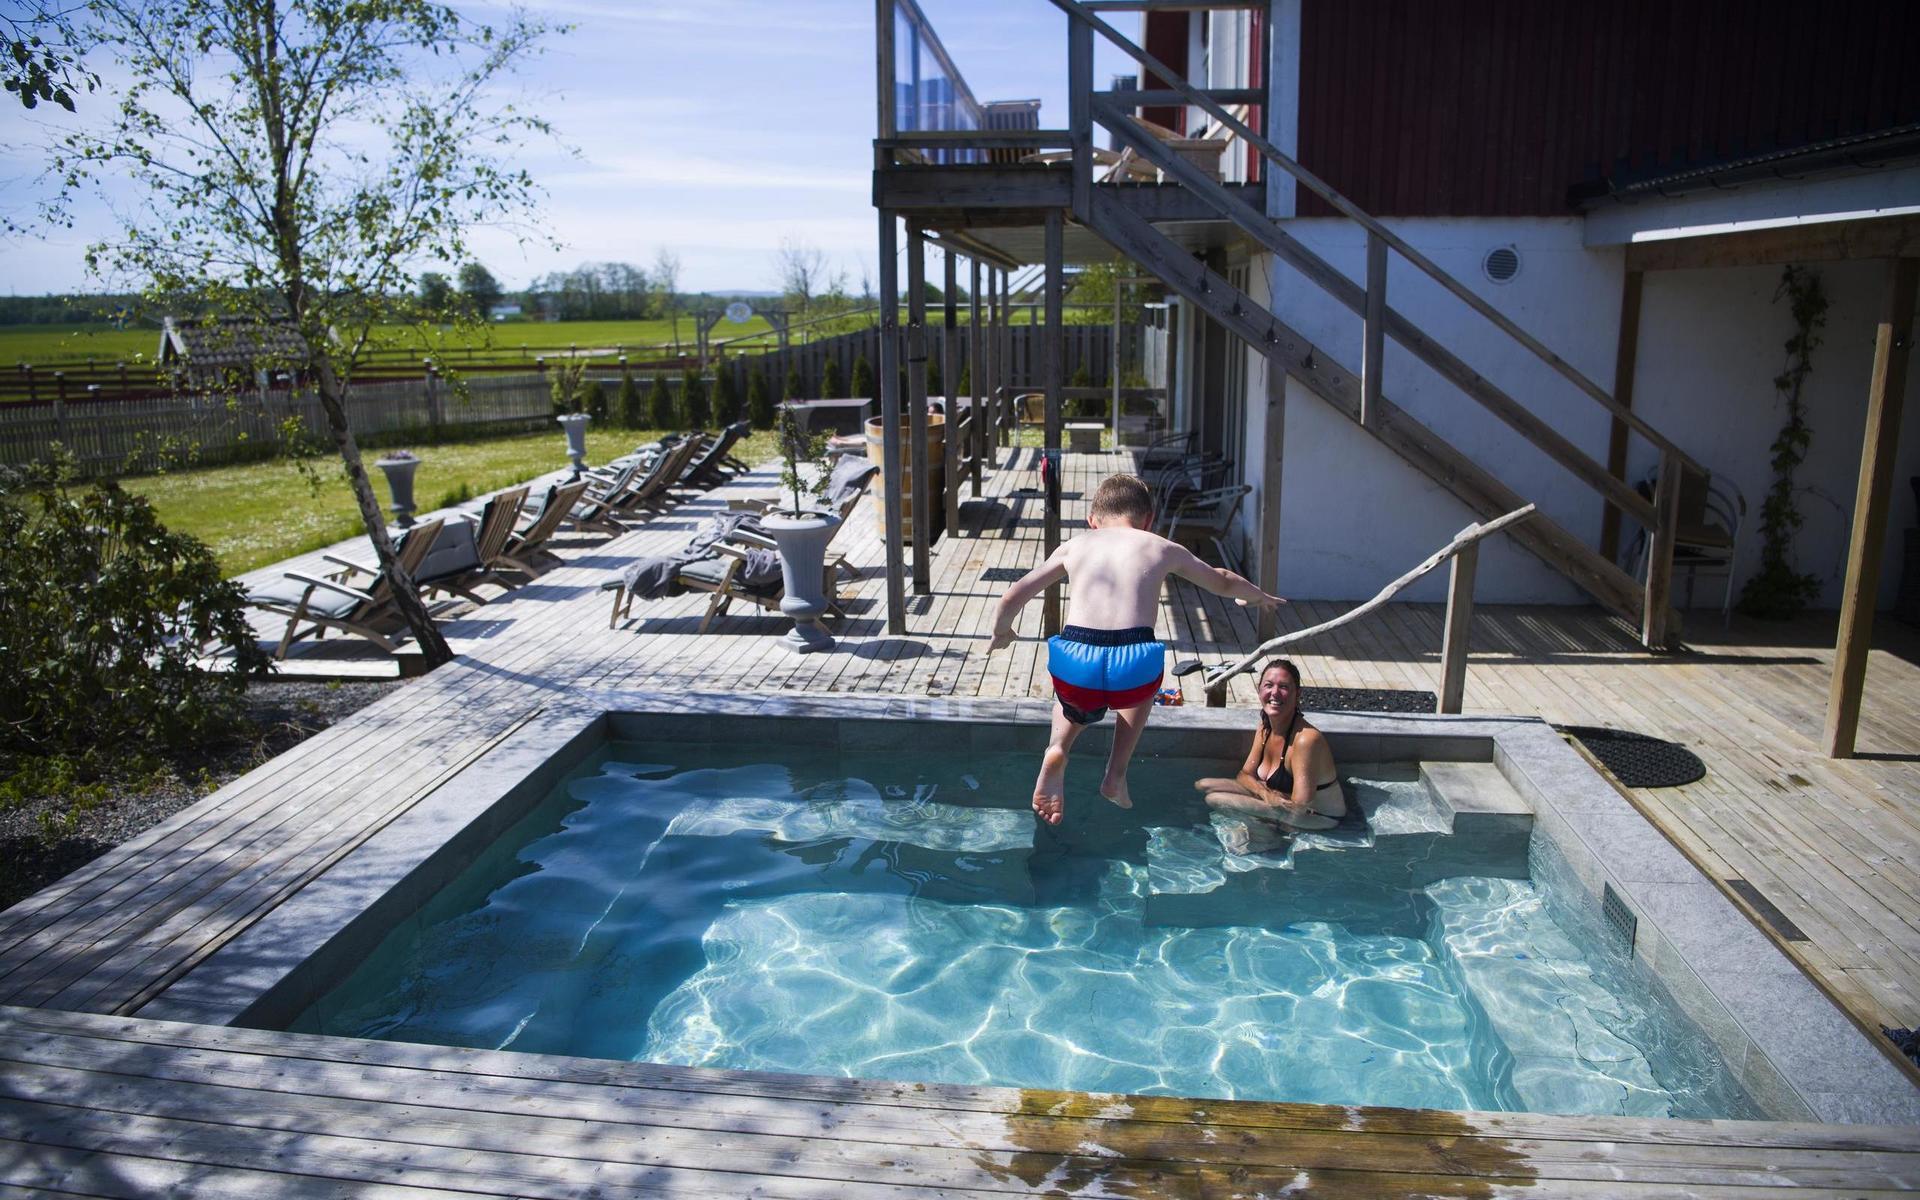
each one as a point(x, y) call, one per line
point(1145, 915)
point(901, 916)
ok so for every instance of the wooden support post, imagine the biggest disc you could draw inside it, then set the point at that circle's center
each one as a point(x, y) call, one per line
point(883, 25)
point(975, 373)
point(1055, 360)
point(1080, 114)
point(1113, 369)
point(1886, 388)
point(1453, 645)
point(1654, 633)
point(950, 386)
point(1374, 333)
point(1268, 555)
point(917, 408)
point(890, 421)
point(1625, 354)
point(1004, 380)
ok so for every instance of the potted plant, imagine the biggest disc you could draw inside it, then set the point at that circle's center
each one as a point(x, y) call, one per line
point(398, 466)
point(802, 532)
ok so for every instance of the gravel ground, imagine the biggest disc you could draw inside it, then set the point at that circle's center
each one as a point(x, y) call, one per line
point(284, 714)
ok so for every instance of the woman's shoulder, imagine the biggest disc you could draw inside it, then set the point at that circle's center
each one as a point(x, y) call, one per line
point(1306, 736)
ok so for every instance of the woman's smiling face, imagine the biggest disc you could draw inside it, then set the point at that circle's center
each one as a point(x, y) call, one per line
point(1277, 690)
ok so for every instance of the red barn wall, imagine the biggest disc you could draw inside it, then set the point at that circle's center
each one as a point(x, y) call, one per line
point(1497, 107)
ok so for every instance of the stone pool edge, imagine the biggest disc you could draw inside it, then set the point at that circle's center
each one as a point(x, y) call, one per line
point(1796, 1052)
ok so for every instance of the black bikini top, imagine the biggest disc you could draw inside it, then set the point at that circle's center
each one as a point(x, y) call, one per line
point(1281, 780)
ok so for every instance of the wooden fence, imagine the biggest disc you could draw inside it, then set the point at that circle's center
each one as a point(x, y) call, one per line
point(113, 437)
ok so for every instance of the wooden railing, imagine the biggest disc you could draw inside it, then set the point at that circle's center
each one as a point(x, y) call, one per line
point(1115, 111)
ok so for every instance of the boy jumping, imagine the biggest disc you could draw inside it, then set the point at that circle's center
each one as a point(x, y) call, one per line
point(1106, 656)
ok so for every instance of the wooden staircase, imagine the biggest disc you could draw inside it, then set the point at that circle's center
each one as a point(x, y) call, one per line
point(1358, 394)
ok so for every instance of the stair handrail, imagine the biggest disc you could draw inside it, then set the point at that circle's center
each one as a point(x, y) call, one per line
point(1199, 99)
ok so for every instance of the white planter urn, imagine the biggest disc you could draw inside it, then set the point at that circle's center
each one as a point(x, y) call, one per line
point(803, 554)
point(399, 473)
point(575, 425)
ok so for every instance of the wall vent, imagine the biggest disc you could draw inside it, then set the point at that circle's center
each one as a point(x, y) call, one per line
point(1501, 264)
point(1620, 920)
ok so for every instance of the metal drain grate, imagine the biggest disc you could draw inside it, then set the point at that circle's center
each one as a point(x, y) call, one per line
point(1003, 574)
point(1620, 918)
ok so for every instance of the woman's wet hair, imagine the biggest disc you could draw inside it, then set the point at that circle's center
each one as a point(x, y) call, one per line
point(1283, 664)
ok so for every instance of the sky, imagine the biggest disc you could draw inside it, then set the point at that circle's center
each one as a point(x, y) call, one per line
point(714, 128)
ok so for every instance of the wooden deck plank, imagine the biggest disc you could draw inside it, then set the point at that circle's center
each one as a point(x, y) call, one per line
point(1834, 845)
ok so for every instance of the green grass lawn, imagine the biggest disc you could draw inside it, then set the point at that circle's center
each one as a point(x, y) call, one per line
point(259, 513)
point(49, 346)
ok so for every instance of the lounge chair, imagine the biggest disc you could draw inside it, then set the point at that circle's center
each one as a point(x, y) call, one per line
point(490, 535)
point(592, 507)
point(724, 579)
point(528, 544)
point(711, 466)
point(452, 564)
point(323, 604)
point(653, 490)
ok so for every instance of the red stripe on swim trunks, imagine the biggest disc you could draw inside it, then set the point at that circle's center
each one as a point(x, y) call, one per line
point(1091, 698)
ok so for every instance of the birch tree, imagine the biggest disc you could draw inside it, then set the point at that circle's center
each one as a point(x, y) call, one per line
point(296, 164)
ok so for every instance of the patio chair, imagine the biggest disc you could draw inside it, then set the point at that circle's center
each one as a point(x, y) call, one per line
point(1207, 516)
point(653, 489)
point(709, 467)
point(592, 509)
point(490, 535)
point(1030, 410)
point(724, 578)
point(322, 604)
point(452, 564)
point(1707, 536)
point(526, 545)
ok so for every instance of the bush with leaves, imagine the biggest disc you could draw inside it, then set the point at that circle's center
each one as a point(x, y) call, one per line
point(1778, 590)
point(726, 397)
point(693, 392)
point(660, 412)
point(632, 413)
point(759, 401)
point(593, 397)
point(106, 616)
point(832, 382)
point(863, 379)
point(936, 381)
point(795, 387)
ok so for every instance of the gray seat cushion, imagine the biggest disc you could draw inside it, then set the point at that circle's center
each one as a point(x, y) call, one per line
point(286, 591)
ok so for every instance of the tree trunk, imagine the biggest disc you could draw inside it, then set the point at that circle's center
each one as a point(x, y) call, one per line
point(406, 597)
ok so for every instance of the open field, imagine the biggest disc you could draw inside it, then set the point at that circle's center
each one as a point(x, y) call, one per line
point(49, 346)
point(259, 513)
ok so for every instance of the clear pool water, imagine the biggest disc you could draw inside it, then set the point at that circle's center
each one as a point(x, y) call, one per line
point(890, 916)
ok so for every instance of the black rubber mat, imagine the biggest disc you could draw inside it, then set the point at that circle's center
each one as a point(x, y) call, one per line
point(1391, 700)
point(1003, 574)
point(1907, 1040)
point(1638, 760)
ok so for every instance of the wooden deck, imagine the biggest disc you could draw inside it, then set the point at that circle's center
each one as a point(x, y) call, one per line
point(100, 1102)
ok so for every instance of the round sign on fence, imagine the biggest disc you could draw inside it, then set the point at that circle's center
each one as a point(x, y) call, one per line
point(739, 312)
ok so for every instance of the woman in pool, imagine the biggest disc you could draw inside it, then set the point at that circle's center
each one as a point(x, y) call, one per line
point(1289, 777)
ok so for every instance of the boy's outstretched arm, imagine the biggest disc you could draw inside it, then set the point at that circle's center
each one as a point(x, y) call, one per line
point(1048, 573)
point(1220, 581)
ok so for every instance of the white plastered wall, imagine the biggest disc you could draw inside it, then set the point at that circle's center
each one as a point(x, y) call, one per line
point(1355, 515)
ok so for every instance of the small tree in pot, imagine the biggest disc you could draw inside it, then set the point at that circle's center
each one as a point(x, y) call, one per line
point(802, 533)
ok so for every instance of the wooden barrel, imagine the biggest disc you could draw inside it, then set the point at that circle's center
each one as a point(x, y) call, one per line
point(936, 472)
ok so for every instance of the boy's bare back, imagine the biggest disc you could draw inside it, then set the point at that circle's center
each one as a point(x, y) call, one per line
point(1116, 573)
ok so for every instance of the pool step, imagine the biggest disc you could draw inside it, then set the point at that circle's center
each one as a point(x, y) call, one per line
point(1412, 832)
point(1543, 1005)
point(1475, 798)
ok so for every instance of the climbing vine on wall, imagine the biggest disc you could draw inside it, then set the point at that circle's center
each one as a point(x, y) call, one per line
point(1778, 590)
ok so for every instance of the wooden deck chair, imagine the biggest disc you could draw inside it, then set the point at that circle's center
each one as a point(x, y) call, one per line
point(1208, 516)
point(710, 467)
point(655, 489)
point(1031, 410)
point(490, 534)
point(527, 545)
point(321, 604)
point(596, 506)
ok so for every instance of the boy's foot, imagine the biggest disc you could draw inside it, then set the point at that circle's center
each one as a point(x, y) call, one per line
point(1049, 791)
point(1116, 791)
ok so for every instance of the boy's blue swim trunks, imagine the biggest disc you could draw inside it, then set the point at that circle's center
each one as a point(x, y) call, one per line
point(1097, 669)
